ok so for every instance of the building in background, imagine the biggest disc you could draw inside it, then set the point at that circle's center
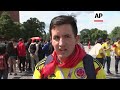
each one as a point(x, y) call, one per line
point(14, 15)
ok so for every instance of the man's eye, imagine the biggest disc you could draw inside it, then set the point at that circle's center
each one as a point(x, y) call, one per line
point(56, 38)
point(67, 36)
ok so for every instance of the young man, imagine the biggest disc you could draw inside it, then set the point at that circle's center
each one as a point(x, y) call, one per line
point(97, 51)
point(21, 54)
point(67, 57)
point(107, 49)
point(116, 49)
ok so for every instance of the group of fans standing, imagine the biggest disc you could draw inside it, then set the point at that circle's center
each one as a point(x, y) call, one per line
point(25, 55)
point(103, 50)
point(22, 55)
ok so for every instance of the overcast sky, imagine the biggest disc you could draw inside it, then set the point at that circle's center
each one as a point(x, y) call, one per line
point(85, 19)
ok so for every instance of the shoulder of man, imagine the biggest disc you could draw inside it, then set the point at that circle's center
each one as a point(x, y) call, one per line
point(39, 67)
point(89, 59)
point(93, 67)
point(41, 63)
point(99, 70)
point(88, 62)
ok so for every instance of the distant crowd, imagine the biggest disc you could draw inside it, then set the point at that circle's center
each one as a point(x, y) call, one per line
point(103, 50)
point(22, 55)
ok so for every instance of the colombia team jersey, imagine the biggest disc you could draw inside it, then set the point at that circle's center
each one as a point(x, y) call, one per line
point(78, 72)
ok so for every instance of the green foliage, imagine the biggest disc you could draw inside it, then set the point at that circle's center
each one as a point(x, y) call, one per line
point(47, 36)
point(8, 29)
point(33, 27)
point(115, 33)
point(85, 35)
point(92, 35)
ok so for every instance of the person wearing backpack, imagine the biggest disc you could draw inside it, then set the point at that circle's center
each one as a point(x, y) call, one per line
point(33, 50)
point(69, 60)
point(28, 61)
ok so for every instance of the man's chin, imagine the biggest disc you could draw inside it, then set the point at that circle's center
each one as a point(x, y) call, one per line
point(62, 56)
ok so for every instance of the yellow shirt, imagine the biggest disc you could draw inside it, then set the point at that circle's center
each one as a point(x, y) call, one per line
point(77, 72)
point(108, 47)
point(99, 54)
point(117, 49)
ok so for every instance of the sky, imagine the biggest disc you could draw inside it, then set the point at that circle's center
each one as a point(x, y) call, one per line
point(85, 19)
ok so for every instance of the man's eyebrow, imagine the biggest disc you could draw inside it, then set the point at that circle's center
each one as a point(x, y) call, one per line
point(55, 36)
point(62, 35)
point(67, 34)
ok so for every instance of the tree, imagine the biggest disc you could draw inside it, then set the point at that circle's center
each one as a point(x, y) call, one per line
point(85, 35)
point(7, 26)
point(47, 36)
point(115, 33)
point(92, 35)
point(33, 27)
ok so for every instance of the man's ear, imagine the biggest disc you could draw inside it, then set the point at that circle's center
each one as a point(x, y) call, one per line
point(50, 38)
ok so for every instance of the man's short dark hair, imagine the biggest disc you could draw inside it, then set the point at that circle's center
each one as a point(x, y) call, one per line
point(64, 19)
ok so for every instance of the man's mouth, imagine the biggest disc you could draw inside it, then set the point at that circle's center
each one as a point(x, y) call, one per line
point(62, 49)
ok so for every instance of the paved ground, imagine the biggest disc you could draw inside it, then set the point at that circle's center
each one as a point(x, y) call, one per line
point(23, 75)
point(26, 75)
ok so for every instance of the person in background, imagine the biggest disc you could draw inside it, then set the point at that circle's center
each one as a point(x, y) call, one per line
point(3, 62)
point(107, 49)
point(97, 51)
point(28, 59)
point(45, 48)
point(11, 51)
point(21, 48)
point(33, 48)
point(116, 49)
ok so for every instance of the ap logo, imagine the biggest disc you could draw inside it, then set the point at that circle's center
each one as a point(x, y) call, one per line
point(98, 16)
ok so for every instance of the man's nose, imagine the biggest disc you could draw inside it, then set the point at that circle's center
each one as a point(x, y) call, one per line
point(61, 42)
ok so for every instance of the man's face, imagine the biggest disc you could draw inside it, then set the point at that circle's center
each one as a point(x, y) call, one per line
point(63, 40)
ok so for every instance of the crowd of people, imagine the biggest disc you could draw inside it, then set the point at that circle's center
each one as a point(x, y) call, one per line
point(21, 55)
point(104, 49)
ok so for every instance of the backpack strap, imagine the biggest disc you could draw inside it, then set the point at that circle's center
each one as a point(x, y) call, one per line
point(88, 63)
point(48, 59)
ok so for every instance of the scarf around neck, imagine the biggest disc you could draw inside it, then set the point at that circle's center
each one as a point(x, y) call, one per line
point(70, 62)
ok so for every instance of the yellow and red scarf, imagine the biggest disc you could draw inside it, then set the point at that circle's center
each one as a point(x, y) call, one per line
point(70, 62)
